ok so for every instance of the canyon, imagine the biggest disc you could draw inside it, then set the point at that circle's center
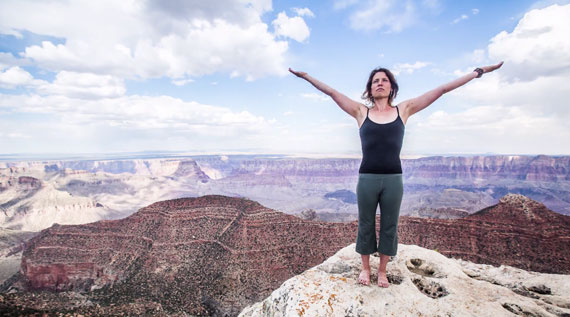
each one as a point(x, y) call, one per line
point(36, 194)
point(214, 255)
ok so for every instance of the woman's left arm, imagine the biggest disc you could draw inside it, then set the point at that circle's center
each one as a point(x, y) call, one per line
point(411, 106)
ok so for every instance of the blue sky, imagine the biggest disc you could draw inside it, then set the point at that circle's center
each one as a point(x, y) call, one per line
point(211, 76)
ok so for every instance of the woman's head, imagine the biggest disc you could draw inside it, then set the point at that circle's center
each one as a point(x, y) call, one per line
point(368, 93)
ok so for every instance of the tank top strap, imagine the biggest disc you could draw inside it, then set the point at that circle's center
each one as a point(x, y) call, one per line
point(367, 111)
point(398, 111)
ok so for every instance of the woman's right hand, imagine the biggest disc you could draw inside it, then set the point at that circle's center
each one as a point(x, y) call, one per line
point(298, 73)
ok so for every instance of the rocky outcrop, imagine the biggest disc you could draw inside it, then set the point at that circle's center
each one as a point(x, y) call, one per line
point(423, 283)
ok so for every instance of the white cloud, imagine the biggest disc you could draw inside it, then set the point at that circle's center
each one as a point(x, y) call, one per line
point(71, 84)
point(510, 110)
point(136, 123)
point(478, 56)
point(294, 27)
point(342, 4)
point(459, 19)
point(475, 11)
point(84, 85)
point(484, 129)
point(304, 12)
point(136, 112)
point(149, 39)
point(182, 82)
point(408, 68)
point(7, 60)
point(16, 76)
point(390, 14)
point(538, 45)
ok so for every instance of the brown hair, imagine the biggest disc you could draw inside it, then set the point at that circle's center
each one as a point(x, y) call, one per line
point(367, 94)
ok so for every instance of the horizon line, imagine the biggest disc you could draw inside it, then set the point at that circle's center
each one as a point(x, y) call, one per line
point(12, 157)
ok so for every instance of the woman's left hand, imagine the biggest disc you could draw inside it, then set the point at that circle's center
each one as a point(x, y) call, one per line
point(490, 68)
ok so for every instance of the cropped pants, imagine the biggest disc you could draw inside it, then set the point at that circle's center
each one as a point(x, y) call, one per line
point(386, 191)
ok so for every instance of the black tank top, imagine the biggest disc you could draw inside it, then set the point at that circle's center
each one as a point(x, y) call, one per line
point(381, 146)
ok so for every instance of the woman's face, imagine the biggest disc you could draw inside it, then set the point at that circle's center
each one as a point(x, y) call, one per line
point(380, 85)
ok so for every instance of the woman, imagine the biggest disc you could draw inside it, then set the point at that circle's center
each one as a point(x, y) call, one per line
point(380, 175)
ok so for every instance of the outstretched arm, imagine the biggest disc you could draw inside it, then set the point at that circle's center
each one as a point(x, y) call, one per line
point(349, 106)
point(411, 106)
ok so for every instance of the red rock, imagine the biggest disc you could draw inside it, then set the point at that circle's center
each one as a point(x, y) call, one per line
point(215, 254)
point(203, 254)
point(518, 232)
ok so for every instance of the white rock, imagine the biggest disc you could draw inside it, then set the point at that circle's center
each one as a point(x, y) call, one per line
point(330, 289)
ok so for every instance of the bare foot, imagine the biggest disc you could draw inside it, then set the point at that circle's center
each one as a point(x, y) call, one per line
point(383, 280)
point(364, 277)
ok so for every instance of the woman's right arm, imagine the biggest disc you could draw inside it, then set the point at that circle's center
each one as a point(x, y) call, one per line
point(353, 108)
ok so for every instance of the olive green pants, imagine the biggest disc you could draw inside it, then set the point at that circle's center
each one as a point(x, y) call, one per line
point(386, 191)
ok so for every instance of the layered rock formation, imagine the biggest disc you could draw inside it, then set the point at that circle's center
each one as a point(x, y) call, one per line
point(29, 204)
point(423, 283)
point(518, 231)
point(215, 254)
point(437, 187)
point(530, 168)
point(209, 255)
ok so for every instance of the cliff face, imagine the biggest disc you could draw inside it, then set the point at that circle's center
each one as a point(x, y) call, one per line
point(532, 168)
point(436, 187)
point(212, 254)
point(150, 167)
point(518, 231)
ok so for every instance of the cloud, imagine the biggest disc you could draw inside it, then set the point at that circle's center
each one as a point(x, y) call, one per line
point(512, 110)
point(315, 96)
point(71, 84)
point(387, 15)
point(343, 4)
point(408, 68)
point(16, 76)
point(294, 27)
point(149, 39)
point(465, 16)
point(461, 18)
point(182, 82)
point(137, 112)
point(7, 60)
point(136, 123)
point(304, 12)
point(483, 129)
point(395, 15)
point(432, 4)
point(84, 85)
point(537, 46)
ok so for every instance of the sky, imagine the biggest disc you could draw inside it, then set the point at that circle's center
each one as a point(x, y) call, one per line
point(211, 76)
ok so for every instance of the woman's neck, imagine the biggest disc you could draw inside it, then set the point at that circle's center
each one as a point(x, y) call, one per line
point(382, 103)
